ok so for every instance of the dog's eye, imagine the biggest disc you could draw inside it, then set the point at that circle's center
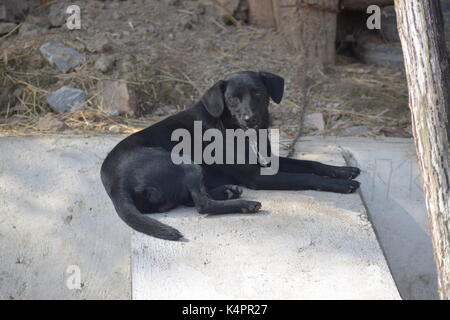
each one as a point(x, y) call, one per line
point(233, 100)
point(256, 93)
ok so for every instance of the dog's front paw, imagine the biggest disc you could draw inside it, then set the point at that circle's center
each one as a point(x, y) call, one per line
point(347, 173)
point(251, 207)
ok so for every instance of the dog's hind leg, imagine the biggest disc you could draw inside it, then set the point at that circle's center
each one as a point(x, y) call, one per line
point(205, 203)
point(225, 192)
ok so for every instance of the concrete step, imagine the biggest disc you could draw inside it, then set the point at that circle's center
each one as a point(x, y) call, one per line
point(391, 187)
point(55, 214)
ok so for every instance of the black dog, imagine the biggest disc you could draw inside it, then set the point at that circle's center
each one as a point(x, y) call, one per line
point(140, 177)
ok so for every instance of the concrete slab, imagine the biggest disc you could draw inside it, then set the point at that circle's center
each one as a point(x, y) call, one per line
point(53, 215)
point(392, 191)
point(303, 245)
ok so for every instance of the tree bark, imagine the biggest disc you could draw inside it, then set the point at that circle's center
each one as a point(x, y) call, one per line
point(261, 13)
point(421, 31)
point(309, 26)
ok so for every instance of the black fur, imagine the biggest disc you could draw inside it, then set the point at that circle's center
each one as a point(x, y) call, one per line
point(140, 177)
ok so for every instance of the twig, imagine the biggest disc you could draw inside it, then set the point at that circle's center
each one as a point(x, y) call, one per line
point(12, 31)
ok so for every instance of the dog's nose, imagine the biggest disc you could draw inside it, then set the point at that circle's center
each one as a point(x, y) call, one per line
point(250, 120)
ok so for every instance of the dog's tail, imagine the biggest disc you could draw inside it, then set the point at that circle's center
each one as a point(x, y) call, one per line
point(125, 207)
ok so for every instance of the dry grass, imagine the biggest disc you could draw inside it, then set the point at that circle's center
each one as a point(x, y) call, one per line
point(358, 95)
point(347, 95)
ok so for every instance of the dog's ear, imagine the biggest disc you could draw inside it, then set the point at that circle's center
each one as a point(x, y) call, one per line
point(213, 99)
point(274, 85)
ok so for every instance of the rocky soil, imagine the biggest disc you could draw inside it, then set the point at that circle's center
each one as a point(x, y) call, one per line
point(135, 62)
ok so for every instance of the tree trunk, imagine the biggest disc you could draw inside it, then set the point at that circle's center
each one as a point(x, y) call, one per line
point(363, 4)
point(261, 13)
point(420, 26)
point(309, 27)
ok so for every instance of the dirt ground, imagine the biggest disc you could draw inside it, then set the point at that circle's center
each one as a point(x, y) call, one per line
point(170, 52)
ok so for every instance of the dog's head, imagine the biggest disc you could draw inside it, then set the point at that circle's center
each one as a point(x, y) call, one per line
point(242, 99)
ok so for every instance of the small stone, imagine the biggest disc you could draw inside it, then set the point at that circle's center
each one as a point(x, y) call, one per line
point(105, 63)
point(396, 132)
point(67, 99)
point(32, 30)
point(356, 130)
point(332, 105)
point(57, 14)
point(64, 59)
point(15, 10)
point(99, 44)
point(314, 121)
point(6, 27)
point(68, 219)
point(116, 129)
point(127, 64)
point(50, 123)
point(187, 22)
point(116, 98)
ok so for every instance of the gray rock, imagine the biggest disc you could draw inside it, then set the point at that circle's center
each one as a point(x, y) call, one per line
point(314, 121)
point(99, 44)
point(67, 99)
point(63, 58)
point(116, 129)
point(50, 123)
point(32, 30)
point(115, 97)
point(57, 14)
point(127, 64)
point(15, 10)
point(105, 63)
point(356, 130)
point(6, 27)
